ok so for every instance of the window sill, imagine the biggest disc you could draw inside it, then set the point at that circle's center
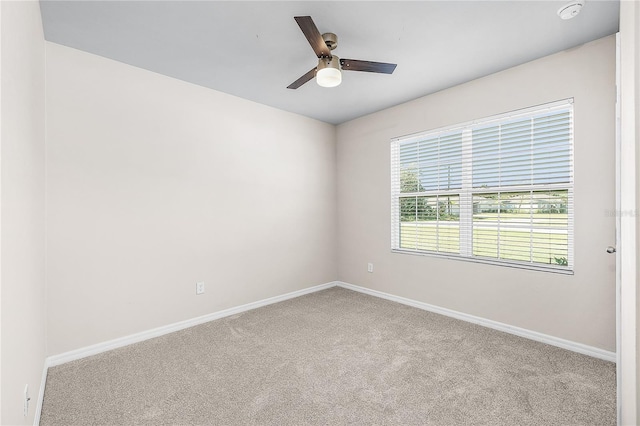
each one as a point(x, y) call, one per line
point(503, 263)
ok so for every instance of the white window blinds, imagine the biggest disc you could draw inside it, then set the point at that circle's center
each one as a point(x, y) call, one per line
point(498, 189)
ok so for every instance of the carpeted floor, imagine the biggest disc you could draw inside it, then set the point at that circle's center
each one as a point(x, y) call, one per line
point(330, 358)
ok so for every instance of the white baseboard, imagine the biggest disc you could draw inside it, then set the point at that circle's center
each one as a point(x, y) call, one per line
point(160, 331)
point(522, 332)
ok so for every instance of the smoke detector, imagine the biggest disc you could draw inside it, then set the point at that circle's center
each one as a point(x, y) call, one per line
point(570, 10)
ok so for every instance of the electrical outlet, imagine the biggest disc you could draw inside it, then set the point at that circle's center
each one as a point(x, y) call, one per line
point(25, 404)
point(200, 287)
point(369, 267)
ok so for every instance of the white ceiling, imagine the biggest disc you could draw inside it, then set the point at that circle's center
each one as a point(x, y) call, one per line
point(254, 50)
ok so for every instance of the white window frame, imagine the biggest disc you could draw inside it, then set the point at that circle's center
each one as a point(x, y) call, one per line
point(467, 191)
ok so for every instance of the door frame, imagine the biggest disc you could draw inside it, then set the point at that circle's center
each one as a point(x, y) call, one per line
point(627, 214)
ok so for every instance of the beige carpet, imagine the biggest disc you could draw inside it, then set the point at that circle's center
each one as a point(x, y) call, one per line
point(330, 358)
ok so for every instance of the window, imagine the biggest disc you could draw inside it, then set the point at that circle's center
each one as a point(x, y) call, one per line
point(497, 190)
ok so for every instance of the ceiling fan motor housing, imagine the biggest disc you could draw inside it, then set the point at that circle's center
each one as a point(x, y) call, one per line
point(332, 62)
point(331, 40)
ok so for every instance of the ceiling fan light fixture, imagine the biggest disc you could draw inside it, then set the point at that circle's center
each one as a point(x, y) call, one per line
point(328, 74)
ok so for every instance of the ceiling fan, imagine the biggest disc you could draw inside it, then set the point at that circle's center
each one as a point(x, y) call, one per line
point(328, 72)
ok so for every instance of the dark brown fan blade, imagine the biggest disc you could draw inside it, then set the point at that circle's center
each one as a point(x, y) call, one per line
point(368, 66)
point(302, 80)
point(313, 35)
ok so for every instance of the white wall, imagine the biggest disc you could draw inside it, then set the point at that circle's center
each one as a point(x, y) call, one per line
point(580, 308)
point(22, 212)
point(154, 184)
